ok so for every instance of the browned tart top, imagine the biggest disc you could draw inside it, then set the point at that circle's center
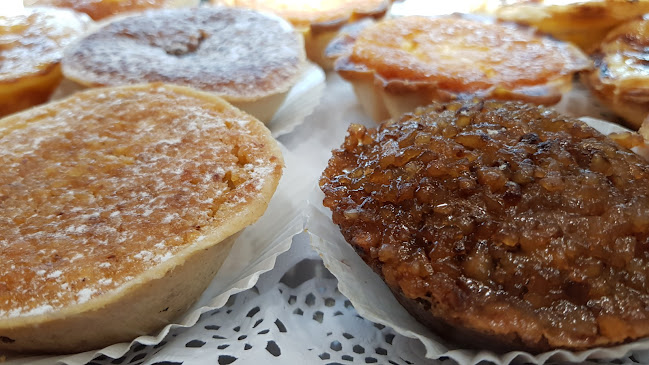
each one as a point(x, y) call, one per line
point(100, 187)
point(237, 53)
point(503, 218)
point(459, 54)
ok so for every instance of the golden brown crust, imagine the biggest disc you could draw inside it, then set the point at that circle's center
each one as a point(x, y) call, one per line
point(515, 226)
point(620, 79)
point(458, 57)
point(106, 8)
point(32, 47)
point(238, 54)
point(584, 23)
point(121, 187)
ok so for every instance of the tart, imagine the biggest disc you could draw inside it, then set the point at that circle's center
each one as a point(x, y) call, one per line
point(100, 9)
point(584, 23)
point(318, 21)
point(620, 79)
point(248, 58)
point(398, 64)
point(500, 225)
point(31, 47)
point(118, 207)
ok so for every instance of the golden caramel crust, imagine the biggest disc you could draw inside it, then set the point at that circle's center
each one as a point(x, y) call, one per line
point(620, 79)
point(461, 55)
point(504, 225)
point(111, 185)
point(303, 14)
point(235, 53)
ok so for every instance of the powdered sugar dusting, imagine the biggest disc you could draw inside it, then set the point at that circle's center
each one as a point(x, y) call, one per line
point(90, 202)
point(232, 52)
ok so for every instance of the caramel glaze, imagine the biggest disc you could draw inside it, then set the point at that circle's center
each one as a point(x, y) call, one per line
point(505, 220)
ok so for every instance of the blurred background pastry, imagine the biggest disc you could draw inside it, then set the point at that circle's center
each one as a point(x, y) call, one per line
point(398, 64)
point(584, 23)
point(31, 47)
point(100, 9)
point(620, 79)
point(318, 20)
point(248, 58)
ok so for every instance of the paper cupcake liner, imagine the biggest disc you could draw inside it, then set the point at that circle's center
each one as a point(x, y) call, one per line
point(373, 299)
point(254, 252)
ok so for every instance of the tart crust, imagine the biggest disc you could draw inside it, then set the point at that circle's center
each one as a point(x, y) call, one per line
point(318, 25)
point(620, 79)
point(128, 201)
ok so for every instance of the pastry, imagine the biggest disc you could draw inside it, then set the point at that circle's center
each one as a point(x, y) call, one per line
point(398, 64)
point(500, 225)
point(100, 9)
point(248, 58)
point(31, 47)
point(584, 23)
point(318, 21)
point(620, 80)
point(118, 207)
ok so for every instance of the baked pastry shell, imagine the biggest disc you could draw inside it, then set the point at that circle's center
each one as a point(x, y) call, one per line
point(156, 296)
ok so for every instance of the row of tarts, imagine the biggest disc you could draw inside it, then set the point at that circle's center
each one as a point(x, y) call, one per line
point(485, 212)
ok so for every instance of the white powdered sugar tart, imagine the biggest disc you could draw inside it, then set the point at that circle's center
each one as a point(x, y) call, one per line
point(118, 207)
point(248, 58)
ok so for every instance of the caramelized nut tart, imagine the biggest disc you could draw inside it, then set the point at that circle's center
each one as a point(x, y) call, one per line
point(398, 64)
point(501, 225)
point(31, 47)
point(118, 207)
point(584, 23)
point(318, 21)
point(248, 58)
point(100, 9)
point(620, 79)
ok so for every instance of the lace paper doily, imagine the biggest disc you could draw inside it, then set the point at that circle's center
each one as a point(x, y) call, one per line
point(295, 314)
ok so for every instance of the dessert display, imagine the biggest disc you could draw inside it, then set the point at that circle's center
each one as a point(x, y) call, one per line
point(118, 207)
point(500, 225)
point(248, 58)
point(31, 47)
point(319, 21)
point(100, 9)
point(584, 23)
point(620, 79)
point(398, 64)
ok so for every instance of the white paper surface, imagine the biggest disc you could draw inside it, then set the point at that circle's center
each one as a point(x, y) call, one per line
point(253, 253)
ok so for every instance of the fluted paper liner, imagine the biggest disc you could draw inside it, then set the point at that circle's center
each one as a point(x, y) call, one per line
point(253, 253)
point(373, 299)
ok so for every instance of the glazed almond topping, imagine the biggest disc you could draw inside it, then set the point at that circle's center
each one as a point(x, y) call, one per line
point(33, 42)
point(463, 55)
point(501, 217)
point(236, 53)
point(100, 187)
